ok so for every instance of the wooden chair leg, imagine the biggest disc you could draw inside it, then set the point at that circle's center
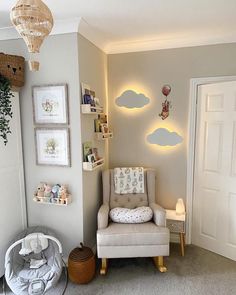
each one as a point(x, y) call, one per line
point(103, 269)
point(159, 262)
point(182, 243)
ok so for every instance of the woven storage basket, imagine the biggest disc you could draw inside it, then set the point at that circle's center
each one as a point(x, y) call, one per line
point(13, 68)
point(81, 265)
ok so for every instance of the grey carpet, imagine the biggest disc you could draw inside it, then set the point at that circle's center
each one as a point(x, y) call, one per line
point(199, 272)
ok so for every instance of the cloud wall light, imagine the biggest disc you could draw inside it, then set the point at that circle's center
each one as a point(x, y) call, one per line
point(164, 137)
point(131, 99)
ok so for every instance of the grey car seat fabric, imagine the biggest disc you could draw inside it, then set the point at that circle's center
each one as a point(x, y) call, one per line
point(18, 274)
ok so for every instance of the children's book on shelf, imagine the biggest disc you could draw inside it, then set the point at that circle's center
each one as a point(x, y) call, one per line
point(87, 150)
point(92, 93)
point(100, 124)
point(88, 99)
point(97, 125)
point(95, 152)
point(85, 90)
point(88, 96)
point(97, 102)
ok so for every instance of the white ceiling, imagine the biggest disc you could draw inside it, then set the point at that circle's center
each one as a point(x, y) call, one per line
point(133, 25)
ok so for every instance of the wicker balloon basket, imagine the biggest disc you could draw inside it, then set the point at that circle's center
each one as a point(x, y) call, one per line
point(81, 265)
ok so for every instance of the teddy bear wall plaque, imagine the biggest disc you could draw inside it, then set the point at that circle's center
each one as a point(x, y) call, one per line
point(13, 68)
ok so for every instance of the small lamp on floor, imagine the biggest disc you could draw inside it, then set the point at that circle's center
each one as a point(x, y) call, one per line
point(180, 208)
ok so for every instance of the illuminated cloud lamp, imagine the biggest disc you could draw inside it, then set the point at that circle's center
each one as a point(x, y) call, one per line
point(131, 100)
point(164, 137)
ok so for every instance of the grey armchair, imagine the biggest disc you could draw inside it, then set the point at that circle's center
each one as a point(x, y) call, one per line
point(118, 240)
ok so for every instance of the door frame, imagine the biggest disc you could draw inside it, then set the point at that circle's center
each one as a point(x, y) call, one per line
point(21, 158)
point(19, 168)
point(192, 119)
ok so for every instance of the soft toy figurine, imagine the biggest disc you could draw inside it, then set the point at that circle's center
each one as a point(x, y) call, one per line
point(40, 190)
point(47, 191)
point(63, 192)
point(55, 190)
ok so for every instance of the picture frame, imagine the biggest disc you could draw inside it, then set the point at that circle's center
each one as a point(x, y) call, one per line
point(50, 104)
point(53, 146)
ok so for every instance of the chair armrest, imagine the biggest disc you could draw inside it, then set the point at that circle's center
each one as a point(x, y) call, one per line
point(159, 214)
point(103, 215)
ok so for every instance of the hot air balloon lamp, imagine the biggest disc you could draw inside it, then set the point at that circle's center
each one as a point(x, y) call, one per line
point(33, 20)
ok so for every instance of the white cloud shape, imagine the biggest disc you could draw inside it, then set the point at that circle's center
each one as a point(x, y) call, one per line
point(164, 137)
point(130, 99)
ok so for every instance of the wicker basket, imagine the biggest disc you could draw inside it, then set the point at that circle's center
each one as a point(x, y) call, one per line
point(13, 68)
point(81, 265)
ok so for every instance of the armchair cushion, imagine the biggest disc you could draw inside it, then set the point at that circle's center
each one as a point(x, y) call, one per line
point(137, 215)
point(118, 234)
point(103, 216)
point(159, 214)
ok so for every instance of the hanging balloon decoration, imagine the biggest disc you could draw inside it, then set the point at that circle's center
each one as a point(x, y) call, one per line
point(166, 105)
point(33, 20)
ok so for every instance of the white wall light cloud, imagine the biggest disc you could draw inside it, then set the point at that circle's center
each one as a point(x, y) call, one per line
point(164, 137)
point(130, 99)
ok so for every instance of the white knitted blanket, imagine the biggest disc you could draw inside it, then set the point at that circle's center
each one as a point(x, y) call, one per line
point(129, 180)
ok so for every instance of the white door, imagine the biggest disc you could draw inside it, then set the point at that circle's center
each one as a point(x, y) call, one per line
point(12, 193)
point(214, 204)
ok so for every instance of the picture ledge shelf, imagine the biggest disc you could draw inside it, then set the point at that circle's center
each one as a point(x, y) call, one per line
point(90, 110)
point(67, 201)
point(103, 136)
point(87, 166)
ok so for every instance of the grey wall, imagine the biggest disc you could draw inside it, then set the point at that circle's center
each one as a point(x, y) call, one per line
point(147, 72)
point(72, 59)
point(92, 71)
point(59, 64)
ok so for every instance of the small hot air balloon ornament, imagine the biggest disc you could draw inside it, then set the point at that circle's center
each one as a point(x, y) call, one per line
point(166, 89)
point(33, 20)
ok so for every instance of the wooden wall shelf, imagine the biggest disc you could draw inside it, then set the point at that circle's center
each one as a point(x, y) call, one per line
point(103, 136)
point(87, 166)
point(67, 201)
point(89, 110)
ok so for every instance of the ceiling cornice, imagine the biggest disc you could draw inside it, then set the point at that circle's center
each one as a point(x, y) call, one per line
point(60, 27)
point(92, 34)
point(79, 25)
point(157, 44)
point(192, 40)
point(66, 26)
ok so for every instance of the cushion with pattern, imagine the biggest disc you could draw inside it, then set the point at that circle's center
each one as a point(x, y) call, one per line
point(125, 215)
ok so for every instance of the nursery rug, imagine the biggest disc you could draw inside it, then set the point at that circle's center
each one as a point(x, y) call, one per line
point(199, 272)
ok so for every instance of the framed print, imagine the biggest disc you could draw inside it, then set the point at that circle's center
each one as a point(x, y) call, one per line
point(52, 146)
point(50, 104)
